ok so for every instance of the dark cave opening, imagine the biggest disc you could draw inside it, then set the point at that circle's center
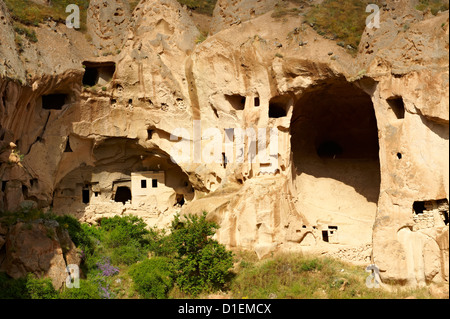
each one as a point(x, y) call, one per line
point(98, 72)
point(54, 101)
point(236, 101)
point(397, 106)
point(123, 194)
point(334, 135)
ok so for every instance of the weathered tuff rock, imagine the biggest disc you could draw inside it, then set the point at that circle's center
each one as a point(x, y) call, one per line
point(107, 23)
point(39, 247)
point(360, 171)
point(231, 12)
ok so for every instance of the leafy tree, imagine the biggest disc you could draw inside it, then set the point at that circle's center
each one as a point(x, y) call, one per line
point(123, 229)
point(152, 278)
point(202, 264)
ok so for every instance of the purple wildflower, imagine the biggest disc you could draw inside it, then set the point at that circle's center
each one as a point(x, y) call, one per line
point(106, 268)
point(104, 291)
point(82, 255)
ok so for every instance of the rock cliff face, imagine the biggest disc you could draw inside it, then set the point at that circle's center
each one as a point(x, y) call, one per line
point(40, 247)
point(358, 167)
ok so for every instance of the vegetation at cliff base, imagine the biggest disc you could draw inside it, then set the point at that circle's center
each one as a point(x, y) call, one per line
point(123, 259)
point(298, 276)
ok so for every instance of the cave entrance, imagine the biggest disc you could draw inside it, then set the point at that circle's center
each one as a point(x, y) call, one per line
point(236, 101)
point(86, 195)
point(334, 144)
point(123, 194)
point(278, 106)
point(54, 101)
point(98, 73)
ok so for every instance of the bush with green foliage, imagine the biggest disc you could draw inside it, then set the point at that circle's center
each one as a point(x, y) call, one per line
point(77, 232)
point(128, 254)
point(160, 243)
point(88, 290)
point(13, 288)
point(201, 263)
point(40, 288)
point(124, 229)
point(152, 278)
point(186, 256)
point(29, 287)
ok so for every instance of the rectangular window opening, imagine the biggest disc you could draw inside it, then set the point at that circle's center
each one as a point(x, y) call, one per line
point(154, 183)
point(86, 196)
point(419, 207)
point(143, 183)
point(224, 160)
point(397, 106)
point(53, 101)
point(257, 102)
point(325, 236)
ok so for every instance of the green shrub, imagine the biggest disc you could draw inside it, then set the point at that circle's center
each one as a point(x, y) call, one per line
point(202, 264)
point(93, 232)
point(77, 232)
point(87, 290)
point(124, 229)
point(40, 288)
point(13, 288)
point(152, 278)
point(311, 264)
point(128, 254)
point(159, 243)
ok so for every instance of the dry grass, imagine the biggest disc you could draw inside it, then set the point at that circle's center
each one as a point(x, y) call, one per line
point(200, 6)
point(340, 20)
point(433, 5)
point(30, 13)
point(295, 276)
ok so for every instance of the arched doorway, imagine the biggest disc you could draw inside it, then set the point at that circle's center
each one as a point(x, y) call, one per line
point(123, 194)
point(336, 169)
